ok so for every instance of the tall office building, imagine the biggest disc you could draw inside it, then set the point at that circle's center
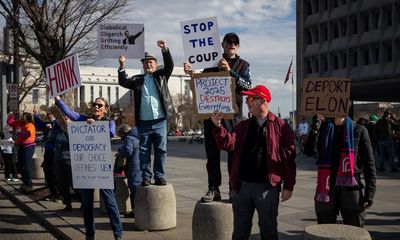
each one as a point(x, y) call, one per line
point(356, 39)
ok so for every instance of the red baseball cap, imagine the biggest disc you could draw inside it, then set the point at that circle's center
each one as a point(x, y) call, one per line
point(259, 91)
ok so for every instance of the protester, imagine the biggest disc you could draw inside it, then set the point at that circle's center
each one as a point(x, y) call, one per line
point(129, 152)
point(345, 153)
point(152, 102)
point(25, 140)
point(371, 127)
point(385, 128)
point(48, 158)
point(7, 153)
point(302, 132)
point(99, 110)
point(239, 69)
point(310, 147)
point(263, 156)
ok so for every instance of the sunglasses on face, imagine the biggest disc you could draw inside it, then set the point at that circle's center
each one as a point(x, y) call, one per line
point(99, 105)
point(250, 99)
point(232, 42)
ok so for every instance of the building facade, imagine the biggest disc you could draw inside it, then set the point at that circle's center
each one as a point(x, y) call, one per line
point(356, 39)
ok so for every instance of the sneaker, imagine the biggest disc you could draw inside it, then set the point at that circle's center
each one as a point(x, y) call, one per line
point(160, 182)
point(8, 179)
point(14, 179)
point(146, 182)
point(117, 238)
point(212, 194)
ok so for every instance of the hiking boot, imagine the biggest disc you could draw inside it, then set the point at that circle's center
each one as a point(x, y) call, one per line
point(212, 194)
point(146, 182)
point(160, 182)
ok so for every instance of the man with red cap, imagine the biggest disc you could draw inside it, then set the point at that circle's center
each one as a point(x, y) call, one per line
point(263, 158)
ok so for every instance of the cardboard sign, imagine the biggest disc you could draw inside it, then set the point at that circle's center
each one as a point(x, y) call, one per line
point(214, 91)
point(13, 96)
point(120, 39)
point(201, 44)
point(326, 96)
point(63, 76)
point(91, 158)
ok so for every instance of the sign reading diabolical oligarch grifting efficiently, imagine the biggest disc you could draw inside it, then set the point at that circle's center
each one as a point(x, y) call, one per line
point(91, 158)
point(120, 39)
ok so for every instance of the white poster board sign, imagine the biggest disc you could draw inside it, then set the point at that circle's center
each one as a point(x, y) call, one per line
point(201, 44)
point(63, 76)
point(120, 39)
point(91, 158)
point(214, 91)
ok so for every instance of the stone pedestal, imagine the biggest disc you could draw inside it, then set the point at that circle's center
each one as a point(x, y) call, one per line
point(155, 207)
point(121, 195)
point(335, 232)
point(37, 170)
point(212, 220)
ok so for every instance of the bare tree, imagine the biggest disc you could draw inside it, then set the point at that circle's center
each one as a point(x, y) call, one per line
point(189, 120)
point(50, 30)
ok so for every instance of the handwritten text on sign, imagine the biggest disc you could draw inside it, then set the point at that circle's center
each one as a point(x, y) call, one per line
point(213, 92)
point(91, 159)
point(326, 96)
point(201, 43)
point(63, 76)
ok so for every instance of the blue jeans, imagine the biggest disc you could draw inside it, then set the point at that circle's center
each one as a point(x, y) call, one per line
point(108, 197)
point(152, 132)
point(256, 196)
point(25, 155)
point(386, 151)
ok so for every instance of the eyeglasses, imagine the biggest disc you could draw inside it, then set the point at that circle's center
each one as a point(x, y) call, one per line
point(232, 42)
point(99, 105)
point(250, 99)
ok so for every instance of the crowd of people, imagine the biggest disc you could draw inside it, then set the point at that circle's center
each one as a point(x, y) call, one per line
point(261, 150)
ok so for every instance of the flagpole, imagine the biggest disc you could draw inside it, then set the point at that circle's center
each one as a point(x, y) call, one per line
point(293, 96)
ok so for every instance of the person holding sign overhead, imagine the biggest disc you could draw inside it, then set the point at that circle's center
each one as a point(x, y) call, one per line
point(152, 103)
point(131, 39)
point(263, 157)
point(240, 71)
point(99, 110)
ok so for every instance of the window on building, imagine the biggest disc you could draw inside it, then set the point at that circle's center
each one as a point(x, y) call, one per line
point(374, 19)
point(334, 29)
point(353, 57)
point(365, 22)
point(109, 94)
point(365, 56)
point(336, 61)
point(323, 5)
point(343, 27)
point(353, 25)
point(324, 32)
point(387, 55)
point(342, 59)
point(324, 62)
point(315, 34)
point(387, 16)
point(374, 53)
point(100, 91)
point(307, 8)
point(92, 93)
point(314, 5)
point(308, 39)
point(116, 94)
point(336, 3)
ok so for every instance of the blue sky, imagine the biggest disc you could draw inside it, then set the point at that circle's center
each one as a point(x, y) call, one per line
point(267, 31)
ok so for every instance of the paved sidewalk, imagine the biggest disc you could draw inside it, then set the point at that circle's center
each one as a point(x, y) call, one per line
point(186, 172)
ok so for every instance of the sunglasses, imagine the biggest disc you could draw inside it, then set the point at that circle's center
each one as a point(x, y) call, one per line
point(250, 99)
point(232, 42)
point(99, 105)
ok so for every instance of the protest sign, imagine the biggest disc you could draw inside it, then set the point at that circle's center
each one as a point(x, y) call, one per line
point(63, 76)
point(214, 91)
point(91, 159)
point(120, 39)
point(201, 44)
point(326, 96)
point(13, 96)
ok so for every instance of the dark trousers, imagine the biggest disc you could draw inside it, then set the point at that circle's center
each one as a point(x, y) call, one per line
point(10, 170)
point(50, 172)
point(64, 179)
point(347, 202)
point(213, 155)
point(25, 155)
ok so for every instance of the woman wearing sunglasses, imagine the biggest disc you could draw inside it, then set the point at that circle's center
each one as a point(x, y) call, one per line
point(99, 112)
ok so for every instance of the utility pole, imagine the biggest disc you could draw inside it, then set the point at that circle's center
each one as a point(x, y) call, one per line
point(16, 46)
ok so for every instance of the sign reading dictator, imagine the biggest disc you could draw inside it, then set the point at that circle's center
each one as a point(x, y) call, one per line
point(214, 91)
point(63, 76)
point(329, 97)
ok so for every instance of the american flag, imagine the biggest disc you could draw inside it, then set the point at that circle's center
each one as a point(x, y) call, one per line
point(289, 71)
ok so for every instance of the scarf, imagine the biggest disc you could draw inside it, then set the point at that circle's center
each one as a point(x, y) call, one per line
point(345, 175)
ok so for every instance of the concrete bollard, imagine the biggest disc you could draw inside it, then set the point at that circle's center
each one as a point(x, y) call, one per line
point(212, 220)
point(155, 207)
point(335, 232)
point(121, 195)
point(37, 170)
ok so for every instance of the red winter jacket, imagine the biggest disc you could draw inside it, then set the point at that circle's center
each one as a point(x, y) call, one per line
point(281, 165)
